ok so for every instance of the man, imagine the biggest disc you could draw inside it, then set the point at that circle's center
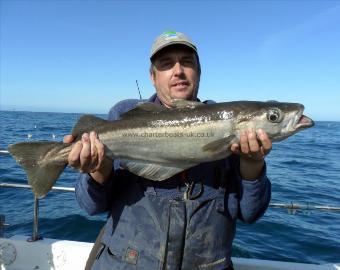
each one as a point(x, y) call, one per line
point(189, 220)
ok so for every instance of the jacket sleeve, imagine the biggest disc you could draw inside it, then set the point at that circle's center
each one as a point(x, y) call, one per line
point(90, 195)
point(253, 197)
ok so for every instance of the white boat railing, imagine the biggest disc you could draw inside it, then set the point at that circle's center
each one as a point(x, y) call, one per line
point(26, 186)
point(291, 207)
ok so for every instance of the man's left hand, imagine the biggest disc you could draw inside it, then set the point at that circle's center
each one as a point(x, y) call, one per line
point(253, 147)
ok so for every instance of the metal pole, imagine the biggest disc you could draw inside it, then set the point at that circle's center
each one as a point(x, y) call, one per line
point(2, 225)
point(35, 234)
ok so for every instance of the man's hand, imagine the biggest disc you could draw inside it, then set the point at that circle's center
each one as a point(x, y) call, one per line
point(88, 156)
point(253, 147)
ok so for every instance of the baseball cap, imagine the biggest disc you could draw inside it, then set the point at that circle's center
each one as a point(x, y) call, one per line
point(171, 38)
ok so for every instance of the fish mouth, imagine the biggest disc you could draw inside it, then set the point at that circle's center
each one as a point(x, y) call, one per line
point(303, 121)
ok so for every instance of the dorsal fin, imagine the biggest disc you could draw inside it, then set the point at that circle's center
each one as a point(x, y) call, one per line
point(150, 107)
point(86, 123)
point(143, 107)
point(182, 103)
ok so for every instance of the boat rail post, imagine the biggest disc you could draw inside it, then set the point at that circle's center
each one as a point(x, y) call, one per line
point(35, 234)
point(2, 225)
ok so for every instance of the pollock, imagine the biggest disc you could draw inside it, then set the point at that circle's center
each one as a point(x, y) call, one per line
point(156, 143)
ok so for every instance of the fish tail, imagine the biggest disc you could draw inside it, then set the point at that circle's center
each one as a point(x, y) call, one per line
point(42, 161)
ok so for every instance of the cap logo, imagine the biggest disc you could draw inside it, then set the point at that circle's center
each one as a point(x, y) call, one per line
point(170, 35)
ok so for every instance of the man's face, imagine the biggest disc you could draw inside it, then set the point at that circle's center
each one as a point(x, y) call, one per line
point(175, 74)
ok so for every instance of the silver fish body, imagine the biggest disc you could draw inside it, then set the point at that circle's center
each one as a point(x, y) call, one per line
point(156, 142)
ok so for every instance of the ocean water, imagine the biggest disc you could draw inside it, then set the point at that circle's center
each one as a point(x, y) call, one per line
point(304, 169)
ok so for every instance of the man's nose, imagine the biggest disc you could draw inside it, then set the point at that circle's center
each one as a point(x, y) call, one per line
point(178, 68)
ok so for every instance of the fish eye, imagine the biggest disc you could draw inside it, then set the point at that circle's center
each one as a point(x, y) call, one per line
point(274, 115)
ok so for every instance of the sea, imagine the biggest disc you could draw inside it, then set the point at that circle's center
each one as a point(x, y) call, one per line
point(304, 169)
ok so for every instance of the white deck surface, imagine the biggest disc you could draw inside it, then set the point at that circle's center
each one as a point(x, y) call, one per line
point(51, 254)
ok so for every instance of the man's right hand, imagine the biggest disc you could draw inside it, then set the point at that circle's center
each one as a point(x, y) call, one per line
point(88, 156)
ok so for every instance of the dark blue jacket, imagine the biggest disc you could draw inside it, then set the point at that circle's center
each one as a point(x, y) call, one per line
point(154, 226)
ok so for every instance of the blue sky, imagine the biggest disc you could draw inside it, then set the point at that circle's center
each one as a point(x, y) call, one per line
point(84, 56)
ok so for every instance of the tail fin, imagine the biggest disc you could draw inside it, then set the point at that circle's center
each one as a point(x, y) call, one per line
point(42, 161)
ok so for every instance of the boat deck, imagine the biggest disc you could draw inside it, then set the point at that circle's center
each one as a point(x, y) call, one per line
point(16, 253)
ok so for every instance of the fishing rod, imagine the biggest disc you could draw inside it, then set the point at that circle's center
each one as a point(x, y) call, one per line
point(140, 96)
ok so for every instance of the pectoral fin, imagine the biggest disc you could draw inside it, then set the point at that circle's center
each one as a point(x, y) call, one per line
point(218, 144)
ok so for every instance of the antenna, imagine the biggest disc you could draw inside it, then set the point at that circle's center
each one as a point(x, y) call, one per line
point(140, 96)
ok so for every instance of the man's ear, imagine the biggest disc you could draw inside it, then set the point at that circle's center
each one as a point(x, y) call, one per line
point(152, 76)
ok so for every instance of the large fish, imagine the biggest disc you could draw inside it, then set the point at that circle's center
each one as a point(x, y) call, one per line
point(156, 142)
